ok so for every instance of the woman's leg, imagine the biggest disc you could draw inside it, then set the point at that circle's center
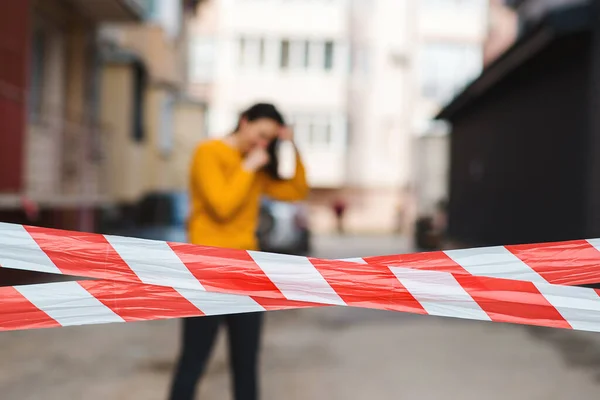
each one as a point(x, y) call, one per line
point(198, 337)
point(244, 346)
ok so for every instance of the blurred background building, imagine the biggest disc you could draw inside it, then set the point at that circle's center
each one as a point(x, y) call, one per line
point(154, 124)
point(295, 54)
point(358, 79)
point(396, 104)
point(525, 141)
point(451, 37)
point(93, 107)
point(104, 101)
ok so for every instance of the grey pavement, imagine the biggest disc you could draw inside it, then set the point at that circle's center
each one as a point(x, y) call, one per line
point(326, 353)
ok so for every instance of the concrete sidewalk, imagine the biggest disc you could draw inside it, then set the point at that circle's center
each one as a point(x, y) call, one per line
point(330, 353)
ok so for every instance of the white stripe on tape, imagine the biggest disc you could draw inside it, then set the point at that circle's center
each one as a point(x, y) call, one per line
point(495, 262)
point(580, 307)
point(154, 262)
point(595, 243)
point(357, 260)
point(68, 303)
point(18, 250)
point(296, 278)
point(439, 293)
point(220, 303)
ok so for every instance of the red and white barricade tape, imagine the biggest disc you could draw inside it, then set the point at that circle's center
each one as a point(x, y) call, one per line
point(142, 280)
point(49, 305)
point(575, 262)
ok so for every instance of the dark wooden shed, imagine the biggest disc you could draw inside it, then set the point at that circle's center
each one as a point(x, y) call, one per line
point(525, 159)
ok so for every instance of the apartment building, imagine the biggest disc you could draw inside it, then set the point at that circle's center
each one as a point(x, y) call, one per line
point(358, 79)
point(154, 124)
point(450, 38)
point(409, 58)
point(93, 116)
point(292, 53)
point(382, 43)
point(313, 59)
point(536, 106)
point(51, 146)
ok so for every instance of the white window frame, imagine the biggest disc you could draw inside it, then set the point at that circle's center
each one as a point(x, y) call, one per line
point(319, 131)
point(297, 54)
point(447, 67)
point(202, 58)
point(317, 56)
point(166, 134)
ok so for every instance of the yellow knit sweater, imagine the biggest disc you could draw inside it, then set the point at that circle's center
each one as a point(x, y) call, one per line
point(225, 197)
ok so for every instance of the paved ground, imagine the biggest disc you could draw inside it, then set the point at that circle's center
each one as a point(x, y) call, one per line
point(328, 353)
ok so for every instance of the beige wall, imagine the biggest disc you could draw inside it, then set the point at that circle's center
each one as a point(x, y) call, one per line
point(124, 163)
point(189, 131)
point(159, 53)
point(160, 172)
point(138, 168)
point(169, 171)
point(155, 172)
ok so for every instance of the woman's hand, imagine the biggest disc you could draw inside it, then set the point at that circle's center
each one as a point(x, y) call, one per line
point(256, 159)
point(286, 133)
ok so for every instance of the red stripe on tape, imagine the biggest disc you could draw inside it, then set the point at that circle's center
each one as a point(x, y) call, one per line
point(433, 261)
point(65, 249)
point(225, 270)
point(20, 313)
point(566, 263)
point(372, 286)
point(511, 301)
point(134, 302)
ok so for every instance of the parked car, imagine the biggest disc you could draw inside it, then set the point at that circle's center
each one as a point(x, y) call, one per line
point(158, 216)
point(283, 227)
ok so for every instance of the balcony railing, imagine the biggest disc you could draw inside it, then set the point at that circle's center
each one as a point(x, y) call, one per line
point(65, 162)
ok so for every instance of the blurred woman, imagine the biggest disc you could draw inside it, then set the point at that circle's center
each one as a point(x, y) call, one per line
point(228, 177)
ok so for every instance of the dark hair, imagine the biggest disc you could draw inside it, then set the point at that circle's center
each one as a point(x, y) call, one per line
point(259, 111)
point(269, 111)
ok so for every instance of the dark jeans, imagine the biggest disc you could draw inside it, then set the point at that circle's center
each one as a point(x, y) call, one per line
point(197, 341)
